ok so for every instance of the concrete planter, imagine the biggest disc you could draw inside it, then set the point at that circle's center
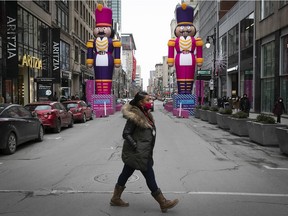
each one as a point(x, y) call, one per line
point(238, 126)
point(203, 115)
point(197, 113)
point(223, 121)
point(263, 134)
point(211, 116)
point(282, 137)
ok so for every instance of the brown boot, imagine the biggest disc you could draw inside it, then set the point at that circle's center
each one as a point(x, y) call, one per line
point(116, 199)
point(164, 204)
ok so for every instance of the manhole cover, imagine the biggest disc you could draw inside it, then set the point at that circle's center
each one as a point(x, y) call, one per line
point(112, 178)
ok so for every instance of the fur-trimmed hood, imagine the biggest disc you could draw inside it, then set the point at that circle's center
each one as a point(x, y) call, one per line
point(134, 114)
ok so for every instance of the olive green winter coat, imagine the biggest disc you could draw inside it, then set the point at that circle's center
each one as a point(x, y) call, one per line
point(142, 133)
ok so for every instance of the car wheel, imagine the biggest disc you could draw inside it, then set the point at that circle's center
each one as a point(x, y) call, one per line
point(11, 144)
point(40, 134)
point(57, 129)
point(71, 123)
point(84, 118)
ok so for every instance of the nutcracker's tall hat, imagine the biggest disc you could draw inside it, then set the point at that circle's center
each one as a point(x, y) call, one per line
point(184, 14)
point(103, 16)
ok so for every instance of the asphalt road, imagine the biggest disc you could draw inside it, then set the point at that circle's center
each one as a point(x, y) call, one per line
point(211, 171)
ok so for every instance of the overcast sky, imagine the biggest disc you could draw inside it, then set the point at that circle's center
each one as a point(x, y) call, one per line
point(149, 22)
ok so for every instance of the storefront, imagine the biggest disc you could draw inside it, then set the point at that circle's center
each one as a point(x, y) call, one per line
point(31, 52)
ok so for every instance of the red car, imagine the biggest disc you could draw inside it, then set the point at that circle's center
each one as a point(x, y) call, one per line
point(53, 114)
point(81, 111)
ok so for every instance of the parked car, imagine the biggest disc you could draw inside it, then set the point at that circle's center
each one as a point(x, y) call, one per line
point(53, 114)
point(80, 110)
point(17, 126)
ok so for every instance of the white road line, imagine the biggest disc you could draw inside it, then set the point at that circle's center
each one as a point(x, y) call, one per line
point(274, 168)
point(239, 194)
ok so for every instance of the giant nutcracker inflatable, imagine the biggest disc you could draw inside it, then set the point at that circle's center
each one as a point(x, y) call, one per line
point(103, 54)
point(188, 51)
point(185, 46)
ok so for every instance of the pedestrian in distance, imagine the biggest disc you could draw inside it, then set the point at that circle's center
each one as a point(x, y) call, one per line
point(236, 103)
point(2, 100)
point(279, 109)
point(137, 154)
point(55, 98)
point(245, 104)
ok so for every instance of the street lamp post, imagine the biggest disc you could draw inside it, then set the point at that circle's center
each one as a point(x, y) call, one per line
point(213, 37)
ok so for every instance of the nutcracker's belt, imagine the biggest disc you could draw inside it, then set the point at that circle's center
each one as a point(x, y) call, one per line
point(103, 53)
point(184, 52)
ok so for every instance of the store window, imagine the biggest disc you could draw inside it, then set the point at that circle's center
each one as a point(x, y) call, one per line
point(284, 70)
point(267, 76)
point(64, 55)
point(266, 8)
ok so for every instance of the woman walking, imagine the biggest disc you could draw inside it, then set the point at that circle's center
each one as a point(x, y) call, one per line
point(137, 154)
point(279, 109)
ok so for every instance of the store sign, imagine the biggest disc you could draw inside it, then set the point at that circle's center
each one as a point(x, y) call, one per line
point(203, 74)
point(45, 53)
point(56, 54)
point(44, 91)
point(32, 62)
point(11, 39)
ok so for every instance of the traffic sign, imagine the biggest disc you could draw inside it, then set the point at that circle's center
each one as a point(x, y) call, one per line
point(204, 72)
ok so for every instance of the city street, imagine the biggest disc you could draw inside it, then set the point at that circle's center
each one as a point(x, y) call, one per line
point(210, 171)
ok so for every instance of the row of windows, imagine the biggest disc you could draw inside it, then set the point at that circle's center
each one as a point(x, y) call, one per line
point(246, 37)
point(267, 7)
point(83, 33)
point(85, 14)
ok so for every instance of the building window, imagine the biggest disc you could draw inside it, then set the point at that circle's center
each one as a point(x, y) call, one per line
point(62, 16)
point(247, 32)
point(64, 55)
point(284, 55)
point(76, 5)
point(76, 54)
point(283, 3)
point(43, 4)
point(233, 41)
point(267, 76)
point(268, 60)
point(76, 28)
point(266, 8)
point(0, 49)
point(284, 71)
point(83, 57)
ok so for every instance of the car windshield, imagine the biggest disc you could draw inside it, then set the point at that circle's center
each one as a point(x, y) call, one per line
point(38, 107)
point(71, 105)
